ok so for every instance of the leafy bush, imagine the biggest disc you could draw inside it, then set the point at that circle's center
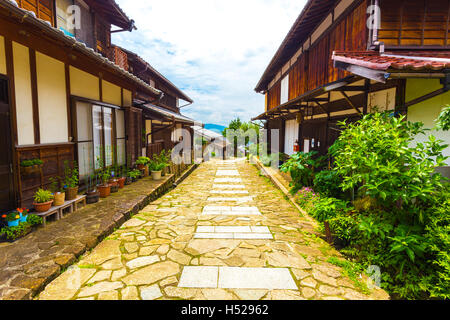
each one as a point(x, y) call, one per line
point(306, 198)
point(401, 223)
point(443, 122)
point(327, 208)
point(13, 233)
point(376, 158)
point(327, 183)
point(344, 229)
point(302, 168)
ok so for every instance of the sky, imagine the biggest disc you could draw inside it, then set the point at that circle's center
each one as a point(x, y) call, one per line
point(214, 50)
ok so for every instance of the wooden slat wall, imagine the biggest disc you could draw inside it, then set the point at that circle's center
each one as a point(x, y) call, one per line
point(315, 68)
point(53, 157)
point(415, 22)
point(42, 8)
point(274, 96)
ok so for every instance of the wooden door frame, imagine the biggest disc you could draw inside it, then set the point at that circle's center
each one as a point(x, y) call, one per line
point(12, 159)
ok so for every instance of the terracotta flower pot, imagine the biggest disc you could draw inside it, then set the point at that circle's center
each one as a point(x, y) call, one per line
point(121, 182)
point(156, 175)
point(60, 198)
point(71, 193)
point(114, 187)
point(43, 207)
point(105, 191)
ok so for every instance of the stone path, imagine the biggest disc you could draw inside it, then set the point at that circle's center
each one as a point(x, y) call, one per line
point(225, 233)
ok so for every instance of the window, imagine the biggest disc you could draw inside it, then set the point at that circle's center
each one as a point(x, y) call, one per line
point(62, 17)
point(42, 8)
point(100, 137)
point(284, 90)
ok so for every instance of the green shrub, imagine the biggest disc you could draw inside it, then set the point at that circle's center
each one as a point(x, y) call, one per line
point(306, 198)
point(327, 183)
point(401, 223)
point(302, 168)
point(327, 208)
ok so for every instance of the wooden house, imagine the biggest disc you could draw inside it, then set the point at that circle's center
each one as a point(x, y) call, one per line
point(64, 94)
point(159, 118)
point(336, 64)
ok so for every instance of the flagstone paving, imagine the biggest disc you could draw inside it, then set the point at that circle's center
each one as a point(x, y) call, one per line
point(186, 246)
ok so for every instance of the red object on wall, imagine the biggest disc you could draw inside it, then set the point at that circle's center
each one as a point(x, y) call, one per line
point(296, 146)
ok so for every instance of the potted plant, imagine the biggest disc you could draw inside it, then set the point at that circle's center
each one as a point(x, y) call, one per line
point(71, 180)
point(142, 164)
point(12, 218)
point(43, 200)
point(31, 166)
point(92, 195)
point(23, 213)
point(156, 168)
point(122, 178)
point(58, 191)
point(105, 187)
point(164, 157)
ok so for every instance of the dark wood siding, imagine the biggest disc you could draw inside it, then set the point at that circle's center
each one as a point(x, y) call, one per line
point(42, 8)
point(53, 157)
point(274, 96)
point(86, 33)
point(133, 125)
point(314, 68)
point(415, 22)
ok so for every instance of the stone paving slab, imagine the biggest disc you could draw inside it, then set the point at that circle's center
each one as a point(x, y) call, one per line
point(168, 232)
point(228, 173)
point(227, 180)
point(228, 186)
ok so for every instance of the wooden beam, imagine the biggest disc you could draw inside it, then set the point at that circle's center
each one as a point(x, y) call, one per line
point(347, 98)
point(34, 96)
point(425, 97)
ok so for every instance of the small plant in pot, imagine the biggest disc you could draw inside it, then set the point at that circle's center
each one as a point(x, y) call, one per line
point(43, 200)
point(142, 164)
point(164, 157)
point(31, 166)
point(113, 182)
point(23, 213)
point(12, 218)
point(71, 180)
point(105, 187)
point(122, 178)
point(58, 190)
point(156, 169)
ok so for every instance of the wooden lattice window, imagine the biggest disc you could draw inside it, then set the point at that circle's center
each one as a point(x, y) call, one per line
point(42, 8)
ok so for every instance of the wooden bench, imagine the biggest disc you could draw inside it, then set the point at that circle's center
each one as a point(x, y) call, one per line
point(79, 200)
point(68, 205)
point(51, 212)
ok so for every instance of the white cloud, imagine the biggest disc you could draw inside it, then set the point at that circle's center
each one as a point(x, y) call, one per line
point(215, 51)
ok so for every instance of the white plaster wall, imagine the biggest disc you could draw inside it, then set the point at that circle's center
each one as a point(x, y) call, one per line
point(52, 98)
point(24, 100)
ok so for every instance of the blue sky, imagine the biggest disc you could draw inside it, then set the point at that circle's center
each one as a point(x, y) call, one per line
point(214, 50)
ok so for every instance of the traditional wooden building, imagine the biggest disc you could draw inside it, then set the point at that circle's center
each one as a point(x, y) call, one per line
point(159, 118)
point(64, 93)
point(331, 66)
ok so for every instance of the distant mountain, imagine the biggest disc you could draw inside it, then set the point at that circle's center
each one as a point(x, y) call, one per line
point(215, 127)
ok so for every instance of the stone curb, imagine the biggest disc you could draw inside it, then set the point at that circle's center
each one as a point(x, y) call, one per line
point(283, 189)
